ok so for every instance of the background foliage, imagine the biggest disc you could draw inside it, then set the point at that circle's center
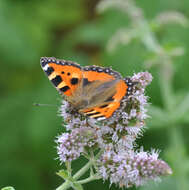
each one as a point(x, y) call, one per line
point(74, 30)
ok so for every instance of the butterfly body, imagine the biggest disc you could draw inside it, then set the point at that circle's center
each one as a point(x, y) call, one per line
point(93, 91)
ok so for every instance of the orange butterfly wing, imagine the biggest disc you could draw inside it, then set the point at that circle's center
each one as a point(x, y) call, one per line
point(65, 75)
point(107, 108)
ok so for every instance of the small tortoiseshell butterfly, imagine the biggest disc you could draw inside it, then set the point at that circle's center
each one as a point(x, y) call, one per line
point(93, 91)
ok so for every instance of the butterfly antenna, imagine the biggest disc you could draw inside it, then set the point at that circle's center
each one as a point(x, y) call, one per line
point(51, 105)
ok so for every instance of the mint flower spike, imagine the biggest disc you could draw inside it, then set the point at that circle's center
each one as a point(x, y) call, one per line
point(71, 145)
point(130, 168)
point(114, 140)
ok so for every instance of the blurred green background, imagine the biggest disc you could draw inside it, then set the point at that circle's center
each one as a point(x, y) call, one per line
point(74, 30)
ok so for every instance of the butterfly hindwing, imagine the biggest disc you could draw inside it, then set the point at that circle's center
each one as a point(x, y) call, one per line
point(105, 98)
point(103, 111)
point(108, 102)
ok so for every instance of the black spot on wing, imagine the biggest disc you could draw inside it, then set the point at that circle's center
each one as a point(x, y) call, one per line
point(86, 82)
point(64, 89)
point(57, 80)
point(49, 71)
point(74, 81)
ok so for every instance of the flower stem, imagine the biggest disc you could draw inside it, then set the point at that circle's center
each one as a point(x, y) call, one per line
point(69, 168)
point(91, 178)
point(165, 79)
point(151, 43)
point(67, 184)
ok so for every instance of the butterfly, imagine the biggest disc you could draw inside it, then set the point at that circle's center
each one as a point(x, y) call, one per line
point(94, 91)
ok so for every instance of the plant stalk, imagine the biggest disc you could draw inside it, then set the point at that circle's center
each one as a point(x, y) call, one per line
point(82, 171)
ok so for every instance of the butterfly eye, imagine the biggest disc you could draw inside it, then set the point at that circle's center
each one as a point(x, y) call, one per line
point(68, 74)
point(62, 72)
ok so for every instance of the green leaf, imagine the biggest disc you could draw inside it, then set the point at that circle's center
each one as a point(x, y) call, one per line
point(63, 174)
point(8, 188)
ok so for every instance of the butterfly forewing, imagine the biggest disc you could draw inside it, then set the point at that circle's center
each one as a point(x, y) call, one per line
point(64, 75)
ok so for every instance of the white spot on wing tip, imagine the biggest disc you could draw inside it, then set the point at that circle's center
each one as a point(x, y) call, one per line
point(46, 67)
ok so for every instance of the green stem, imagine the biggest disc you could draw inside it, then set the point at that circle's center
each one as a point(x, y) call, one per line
point(151, 43)
point(147, 36)
point(69, 168)
point(67, 184)
point(82, 170)
point(165, 79)
point(91, 178)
